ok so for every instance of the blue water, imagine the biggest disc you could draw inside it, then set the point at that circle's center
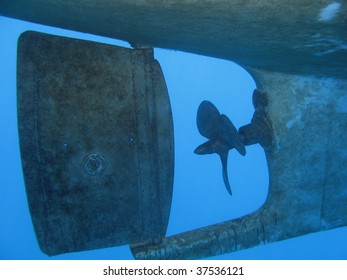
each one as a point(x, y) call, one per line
point(199, 197)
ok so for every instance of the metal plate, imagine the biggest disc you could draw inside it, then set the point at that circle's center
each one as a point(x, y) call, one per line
point(96, 140)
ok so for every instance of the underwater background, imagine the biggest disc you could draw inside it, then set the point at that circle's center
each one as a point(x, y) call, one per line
point(199, 196)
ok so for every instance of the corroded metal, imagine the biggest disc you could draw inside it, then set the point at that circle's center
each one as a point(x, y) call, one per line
point(96, 142)
point(260, 129)
point(296, 53)
point(307, 171)
point(304, 37)
point(94, 164)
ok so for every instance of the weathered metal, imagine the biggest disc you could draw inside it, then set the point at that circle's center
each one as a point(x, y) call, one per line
point(96, 141)
point(307, 172)
point(299, 36)
point(260, 129)
point(296, 53)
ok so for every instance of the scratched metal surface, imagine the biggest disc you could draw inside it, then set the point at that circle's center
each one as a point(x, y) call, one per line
point(90, 116)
